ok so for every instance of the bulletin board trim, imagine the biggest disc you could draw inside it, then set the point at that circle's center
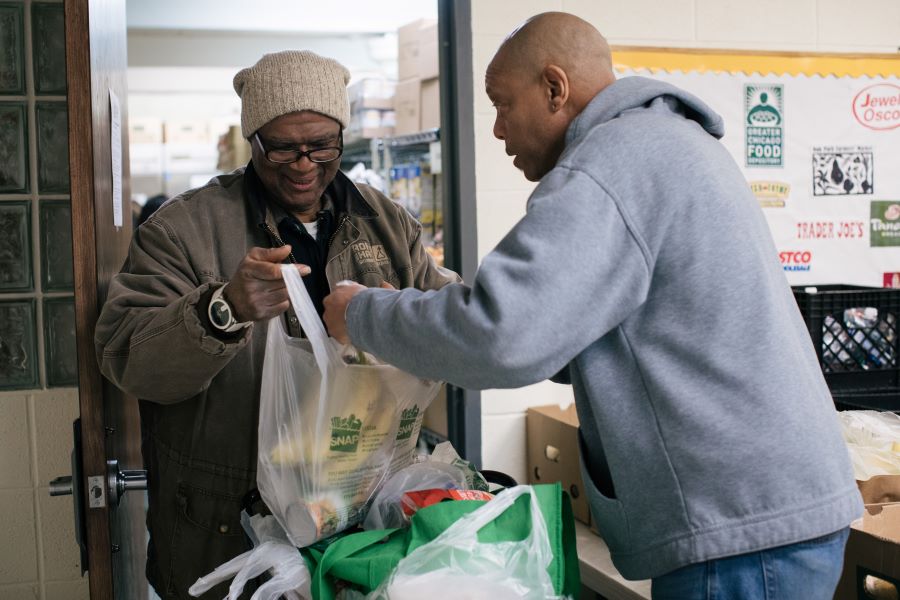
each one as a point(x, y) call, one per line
point(755, 62)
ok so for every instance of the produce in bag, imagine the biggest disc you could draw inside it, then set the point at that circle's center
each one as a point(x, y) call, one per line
point(330, 430)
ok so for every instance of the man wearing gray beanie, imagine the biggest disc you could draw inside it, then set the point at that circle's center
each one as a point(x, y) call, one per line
point(183, 325)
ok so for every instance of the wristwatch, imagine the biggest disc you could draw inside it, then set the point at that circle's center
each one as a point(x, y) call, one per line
point(221, 315)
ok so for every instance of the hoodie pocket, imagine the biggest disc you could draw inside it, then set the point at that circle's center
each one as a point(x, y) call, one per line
point(612, 523)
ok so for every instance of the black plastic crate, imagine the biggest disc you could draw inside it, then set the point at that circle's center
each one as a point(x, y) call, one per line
point(856, 334)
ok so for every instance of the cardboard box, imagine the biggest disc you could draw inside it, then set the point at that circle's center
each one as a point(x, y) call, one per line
point(429, 62)
point(234, 150)
point(872, 557)
point(430, 104)
point(145, 130)
point(186, 132)
point(553, 453)
point(371, 93)
point(407, 107)
point(409, 48)
point(188, 158)
point(367, 133)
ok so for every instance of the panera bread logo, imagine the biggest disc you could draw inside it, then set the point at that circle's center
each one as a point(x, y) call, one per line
point(878, 106)
point(884, 224)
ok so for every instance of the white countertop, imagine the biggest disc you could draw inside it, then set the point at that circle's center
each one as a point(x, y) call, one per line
point(598, 572)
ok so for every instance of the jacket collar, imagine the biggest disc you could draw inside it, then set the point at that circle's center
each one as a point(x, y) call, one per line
point(344, 195)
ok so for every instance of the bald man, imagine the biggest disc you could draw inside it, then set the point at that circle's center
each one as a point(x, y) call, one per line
point(645, 273)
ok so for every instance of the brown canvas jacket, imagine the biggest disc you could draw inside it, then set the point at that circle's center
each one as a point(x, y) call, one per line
point(199, 395)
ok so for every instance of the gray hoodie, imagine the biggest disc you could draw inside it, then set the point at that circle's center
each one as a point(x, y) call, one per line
point(644, 266)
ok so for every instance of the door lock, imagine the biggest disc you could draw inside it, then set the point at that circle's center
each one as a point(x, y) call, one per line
point(117, 483)
point(111, 486)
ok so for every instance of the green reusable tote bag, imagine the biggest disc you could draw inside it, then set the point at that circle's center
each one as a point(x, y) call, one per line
point(366, 559)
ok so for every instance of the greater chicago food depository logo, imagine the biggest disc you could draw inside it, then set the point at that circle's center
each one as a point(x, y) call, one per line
point(764, 123)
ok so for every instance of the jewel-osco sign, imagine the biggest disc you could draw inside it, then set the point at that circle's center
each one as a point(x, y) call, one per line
point(878, 106)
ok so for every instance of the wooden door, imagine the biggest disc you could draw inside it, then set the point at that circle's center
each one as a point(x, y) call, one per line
point(96, 59)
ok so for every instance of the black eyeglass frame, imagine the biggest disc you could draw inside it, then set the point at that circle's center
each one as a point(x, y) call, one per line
point(299, 154)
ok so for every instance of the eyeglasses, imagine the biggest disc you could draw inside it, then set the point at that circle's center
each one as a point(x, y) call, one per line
point(292, 155)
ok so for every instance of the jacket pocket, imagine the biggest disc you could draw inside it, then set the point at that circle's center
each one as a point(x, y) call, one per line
point(207, 533)
point(612, 523)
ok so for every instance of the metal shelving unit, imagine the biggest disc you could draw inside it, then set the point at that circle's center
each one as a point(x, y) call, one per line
point(380, 153)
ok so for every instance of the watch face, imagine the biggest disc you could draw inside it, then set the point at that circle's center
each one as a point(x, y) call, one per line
point(220, 313)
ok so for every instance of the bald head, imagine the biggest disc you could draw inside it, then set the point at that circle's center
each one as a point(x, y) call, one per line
point(563, 40)
point(542, 77)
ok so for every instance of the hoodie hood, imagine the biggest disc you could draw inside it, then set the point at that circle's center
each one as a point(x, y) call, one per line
point(635, 92)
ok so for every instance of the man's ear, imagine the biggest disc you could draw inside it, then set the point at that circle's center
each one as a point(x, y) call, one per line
point(556, 86)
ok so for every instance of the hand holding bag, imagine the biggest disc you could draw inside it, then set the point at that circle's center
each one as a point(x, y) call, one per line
point(329, 432)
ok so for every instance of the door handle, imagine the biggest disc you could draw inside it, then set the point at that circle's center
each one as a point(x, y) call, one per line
point(113, 486)
point(120, 481)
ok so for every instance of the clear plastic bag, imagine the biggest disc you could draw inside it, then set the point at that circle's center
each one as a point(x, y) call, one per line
point(329, 432)
point(456, 560)
point(290, 578)
point(387, 511)
point(873, 439)
point(443, 469)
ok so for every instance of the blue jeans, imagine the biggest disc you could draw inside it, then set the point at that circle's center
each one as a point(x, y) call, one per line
point(808, 570)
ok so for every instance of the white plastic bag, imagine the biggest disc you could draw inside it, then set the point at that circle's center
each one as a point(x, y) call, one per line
point(272, 552)
point(443, 469)
point(386, 510)
point(329, 432)
point(873, 439)
point(456, 560)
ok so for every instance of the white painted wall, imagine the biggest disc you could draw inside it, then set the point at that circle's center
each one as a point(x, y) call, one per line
point(335, 16)
point(863, 26)
point(182, 58)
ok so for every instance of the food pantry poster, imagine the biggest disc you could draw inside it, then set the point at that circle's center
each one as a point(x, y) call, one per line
point(818, 140)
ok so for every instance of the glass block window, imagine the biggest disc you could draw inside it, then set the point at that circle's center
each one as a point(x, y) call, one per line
point(37, 309)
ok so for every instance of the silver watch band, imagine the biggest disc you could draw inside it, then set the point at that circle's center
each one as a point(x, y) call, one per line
point(232, 325)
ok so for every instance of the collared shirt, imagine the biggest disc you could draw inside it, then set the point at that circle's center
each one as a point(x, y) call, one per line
point(306, 249)
point(310, 251)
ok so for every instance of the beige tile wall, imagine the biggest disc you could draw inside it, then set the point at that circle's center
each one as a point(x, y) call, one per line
point(38, 553)
point(800, 25)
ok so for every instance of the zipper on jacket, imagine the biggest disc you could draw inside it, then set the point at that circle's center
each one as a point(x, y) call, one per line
point(340, 224)
point(278, 244)
point(278, 241)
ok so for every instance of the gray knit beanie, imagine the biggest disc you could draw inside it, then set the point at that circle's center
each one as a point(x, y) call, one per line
point(291, 81)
